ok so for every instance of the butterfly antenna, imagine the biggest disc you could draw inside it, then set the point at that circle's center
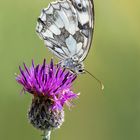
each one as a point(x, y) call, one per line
point(101, 84)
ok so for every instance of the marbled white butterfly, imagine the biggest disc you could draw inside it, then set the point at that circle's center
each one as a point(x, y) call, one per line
point(66, 27)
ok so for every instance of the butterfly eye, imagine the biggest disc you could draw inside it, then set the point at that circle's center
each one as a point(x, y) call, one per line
point(80, 71)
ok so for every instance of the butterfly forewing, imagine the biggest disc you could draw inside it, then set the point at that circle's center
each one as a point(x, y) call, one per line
point(66, 28)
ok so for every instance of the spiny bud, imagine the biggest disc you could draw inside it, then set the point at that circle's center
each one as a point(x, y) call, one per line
point(42, 116)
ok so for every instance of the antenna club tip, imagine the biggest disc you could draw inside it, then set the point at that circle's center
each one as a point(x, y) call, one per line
point(102, 87)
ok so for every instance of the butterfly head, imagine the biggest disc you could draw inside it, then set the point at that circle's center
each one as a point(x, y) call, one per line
point(73, 65)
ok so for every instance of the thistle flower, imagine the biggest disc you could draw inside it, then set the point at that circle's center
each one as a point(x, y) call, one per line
point(50, 86)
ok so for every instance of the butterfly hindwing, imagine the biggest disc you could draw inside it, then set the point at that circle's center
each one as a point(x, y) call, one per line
point(66, 28)
point(85, 15)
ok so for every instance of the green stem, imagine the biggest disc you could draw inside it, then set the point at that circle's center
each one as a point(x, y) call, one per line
point(47, 135)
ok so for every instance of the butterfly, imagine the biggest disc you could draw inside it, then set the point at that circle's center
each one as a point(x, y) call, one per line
point(66, 26)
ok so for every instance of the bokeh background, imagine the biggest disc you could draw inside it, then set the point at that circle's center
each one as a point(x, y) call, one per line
point(114, 58)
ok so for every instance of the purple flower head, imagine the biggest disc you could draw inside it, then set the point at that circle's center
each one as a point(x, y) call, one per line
point(48, 81)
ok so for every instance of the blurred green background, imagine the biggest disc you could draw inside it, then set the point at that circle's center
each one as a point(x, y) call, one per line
point(114, 58)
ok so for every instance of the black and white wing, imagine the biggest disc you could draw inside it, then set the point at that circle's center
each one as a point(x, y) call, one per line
point(67, 27)
point(85, 15)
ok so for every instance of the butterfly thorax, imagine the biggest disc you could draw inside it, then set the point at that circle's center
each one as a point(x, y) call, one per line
point(73, 64)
